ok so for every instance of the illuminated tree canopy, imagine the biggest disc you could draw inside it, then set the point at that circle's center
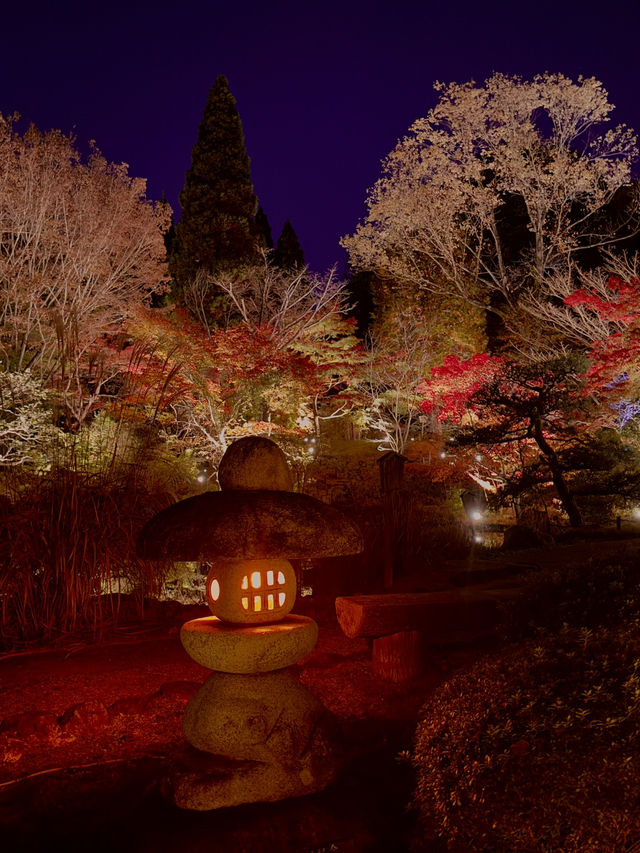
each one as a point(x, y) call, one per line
point(496, 189)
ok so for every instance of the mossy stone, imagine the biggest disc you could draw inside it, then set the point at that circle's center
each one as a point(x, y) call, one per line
point(254, 463)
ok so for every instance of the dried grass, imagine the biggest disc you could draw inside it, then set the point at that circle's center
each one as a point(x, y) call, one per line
point(66, 538)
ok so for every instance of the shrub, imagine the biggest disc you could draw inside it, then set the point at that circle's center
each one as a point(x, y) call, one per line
point(537, 749)
point(598, 594)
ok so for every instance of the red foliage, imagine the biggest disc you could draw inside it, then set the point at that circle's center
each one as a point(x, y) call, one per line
point(612, 356)
point(211, 363)
point(175, 369)
point(451, 385)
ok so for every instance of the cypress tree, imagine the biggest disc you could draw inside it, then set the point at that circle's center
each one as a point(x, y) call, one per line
point(288, 253)
point(216, 228)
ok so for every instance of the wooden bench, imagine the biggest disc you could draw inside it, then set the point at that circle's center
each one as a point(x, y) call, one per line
point(401, 625)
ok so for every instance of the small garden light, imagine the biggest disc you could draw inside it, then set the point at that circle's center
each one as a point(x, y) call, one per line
point(203, 475)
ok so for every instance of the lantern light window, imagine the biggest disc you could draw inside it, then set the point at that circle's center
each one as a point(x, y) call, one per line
point(254, 594)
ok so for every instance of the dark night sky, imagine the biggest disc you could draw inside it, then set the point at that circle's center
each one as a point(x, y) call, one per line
point(324, 89)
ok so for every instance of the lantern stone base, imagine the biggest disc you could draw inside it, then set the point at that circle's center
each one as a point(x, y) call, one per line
point(248, 648)
point(284, 742)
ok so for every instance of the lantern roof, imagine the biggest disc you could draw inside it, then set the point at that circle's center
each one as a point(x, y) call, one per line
point(254, 524)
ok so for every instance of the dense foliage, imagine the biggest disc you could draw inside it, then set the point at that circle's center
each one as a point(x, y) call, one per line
point(216, 227)
point(536, 748)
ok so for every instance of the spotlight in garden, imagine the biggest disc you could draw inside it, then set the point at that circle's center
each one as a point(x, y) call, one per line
point(636, 512)
point(203, 475)
point(474, 504)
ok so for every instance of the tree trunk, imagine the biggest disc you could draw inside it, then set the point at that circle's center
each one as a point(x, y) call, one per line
point(575, 519)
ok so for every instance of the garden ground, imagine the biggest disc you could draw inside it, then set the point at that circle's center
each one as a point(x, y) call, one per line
point(91, 732)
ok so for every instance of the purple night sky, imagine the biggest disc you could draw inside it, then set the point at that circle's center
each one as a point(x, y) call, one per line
point(324, 90)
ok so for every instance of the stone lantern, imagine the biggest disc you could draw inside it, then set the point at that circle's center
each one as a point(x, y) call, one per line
point(252, 710)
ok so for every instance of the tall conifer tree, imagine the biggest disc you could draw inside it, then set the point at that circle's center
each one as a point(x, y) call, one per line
point(263, 229)
point(288, 253)
point(216, 228)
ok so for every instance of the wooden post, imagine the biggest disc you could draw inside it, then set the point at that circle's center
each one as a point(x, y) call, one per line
point(391, 477)
point(398, 657)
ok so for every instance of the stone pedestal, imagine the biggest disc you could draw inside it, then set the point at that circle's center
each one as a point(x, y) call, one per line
point(268, 736)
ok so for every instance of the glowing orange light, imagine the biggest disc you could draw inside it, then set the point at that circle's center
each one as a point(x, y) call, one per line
point(238, 592)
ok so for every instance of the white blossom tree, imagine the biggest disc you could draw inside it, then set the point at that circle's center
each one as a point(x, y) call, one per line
point(485, 161)
point(391, 373)
point(80, 249)
point(26, 426)
point(291, 303)
point(576, 322)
